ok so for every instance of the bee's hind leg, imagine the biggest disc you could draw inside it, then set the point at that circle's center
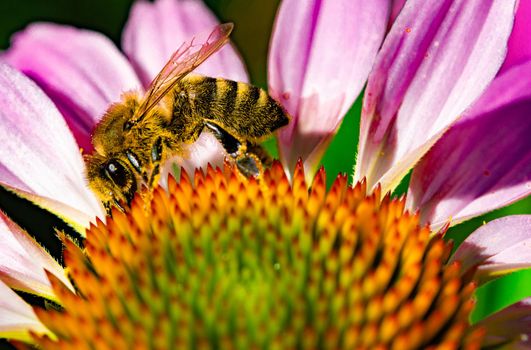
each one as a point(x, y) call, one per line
point(250, 158)
point(261, 153)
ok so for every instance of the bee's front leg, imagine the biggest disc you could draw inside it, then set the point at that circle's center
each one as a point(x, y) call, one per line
point(156, 158)
point(249, 158)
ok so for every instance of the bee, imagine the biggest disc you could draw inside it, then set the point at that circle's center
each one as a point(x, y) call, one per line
point(137, 135)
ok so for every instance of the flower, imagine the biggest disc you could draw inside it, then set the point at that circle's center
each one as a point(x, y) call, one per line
point(416, 101)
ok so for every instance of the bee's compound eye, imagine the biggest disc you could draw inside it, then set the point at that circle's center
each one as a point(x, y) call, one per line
point(116, 172)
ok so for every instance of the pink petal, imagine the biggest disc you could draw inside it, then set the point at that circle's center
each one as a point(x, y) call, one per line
point(23, 261)
point(519, 46)
point(17, 318)
point(81, 71)
point(484, 161)
point(395, 10)
point(509, 328)
point(320, 56)
point(499, 246)
point(39, 154)
point(206, 150)
point(155, 30)
point(436, 60)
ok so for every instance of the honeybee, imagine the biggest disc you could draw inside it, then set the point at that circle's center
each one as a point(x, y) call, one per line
point(137, 135)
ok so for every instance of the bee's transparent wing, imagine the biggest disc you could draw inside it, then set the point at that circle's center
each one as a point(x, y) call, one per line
point(187, 57)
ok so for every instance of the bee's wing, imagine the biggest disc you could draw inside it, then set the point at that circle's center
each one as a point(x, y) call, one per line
point(187, 57)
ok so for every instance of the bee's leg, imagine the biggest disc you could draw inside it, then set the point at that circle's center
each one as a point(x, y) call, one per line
point(156, 158)
point(231, 144)
point(252, 161)
point(248, 157)
point(108, 205)
point(261, 153)
point(108, 208)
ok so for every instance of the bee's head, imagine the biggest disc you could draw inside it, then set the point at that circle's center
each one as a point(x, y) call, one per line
point(112, 179)
point(108, 136)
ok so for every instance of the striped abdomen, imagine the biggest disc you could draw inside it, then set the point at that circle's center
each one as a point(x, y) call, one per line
point(242, 108)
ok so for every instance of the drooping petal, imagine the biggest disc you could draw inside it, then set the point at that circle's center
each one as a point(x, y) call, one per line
point(155, 31)
point(509, 328)
point(320, 56)
point(39, 154)
point(484, 161)
point(23, 261)
point(82, 72)
point(17, 318)
point(436, 60)
point(500, 246)
point(519, 45)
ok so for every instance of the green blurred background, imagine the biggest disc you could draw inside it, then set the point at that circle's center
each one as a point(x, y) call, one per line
point(253, 20)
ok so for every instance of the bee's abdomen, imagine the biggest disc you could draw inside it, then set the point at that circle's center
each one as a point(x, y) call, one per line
point(246, 109)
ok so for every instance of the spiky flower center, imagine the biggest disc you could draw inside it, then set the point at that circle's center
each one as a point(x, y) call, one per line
point(228, 263)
